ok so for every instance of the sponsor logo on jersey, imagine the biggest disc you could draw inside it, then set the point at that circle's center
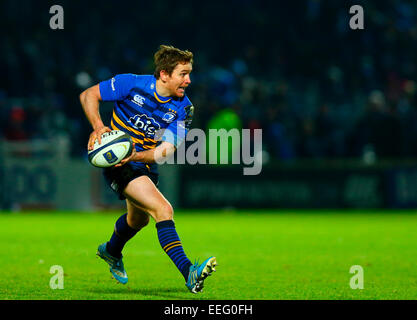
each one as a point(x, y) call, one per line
point(169, 117)
point(189, 112)
point(138, 99)
point(146, 124)
point(112, 84)
point(152, 86)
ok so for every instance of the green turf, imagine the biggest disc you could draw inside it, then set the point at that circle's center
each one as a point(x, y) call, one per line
point(261, 255)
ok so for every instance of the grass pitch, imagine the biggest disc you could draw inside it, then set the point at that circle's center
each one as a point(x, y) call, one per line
point(261, 255)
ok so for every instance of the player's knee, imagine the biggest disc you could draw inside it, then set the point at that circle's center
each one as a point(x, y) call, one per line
point(165, 212)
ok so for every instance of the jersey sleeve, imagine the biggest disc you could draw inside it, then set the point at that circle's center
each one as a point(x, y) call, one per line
point(177, 130)
point(117, 88)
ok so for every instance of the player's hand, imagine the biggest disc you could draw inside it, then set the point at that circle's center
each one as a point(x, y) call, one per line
point(129, 158)
point(96, 135)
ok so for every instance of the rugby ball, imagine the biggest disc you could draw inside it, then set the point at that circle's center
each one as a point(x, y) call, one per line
point(115, 146)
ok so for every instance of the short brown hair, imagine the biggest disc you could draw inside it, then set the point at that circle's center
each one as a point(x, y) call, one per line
point(167, 58)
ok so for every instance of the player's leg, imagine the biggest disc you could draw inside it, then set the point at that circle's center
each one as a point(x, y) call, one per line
point(143, 193)
point(137, 217)
point(126, 228)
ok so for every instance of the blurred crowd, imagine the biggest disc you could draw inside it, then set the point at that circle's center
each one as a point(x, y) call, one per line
point(315, 87)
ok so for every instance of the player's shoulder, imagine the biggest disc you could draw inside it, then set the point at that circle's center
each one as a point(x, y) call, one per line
point(183, 103)
point(139, 79)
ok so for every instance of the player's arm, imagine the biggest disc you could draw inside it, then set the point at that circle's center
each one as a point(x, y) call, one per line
point(90, 101)
point(164, 150)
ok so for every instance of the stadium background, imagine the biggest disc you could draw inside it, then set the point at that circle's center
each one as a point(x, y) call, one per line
point(337, 106)
point(323, 94)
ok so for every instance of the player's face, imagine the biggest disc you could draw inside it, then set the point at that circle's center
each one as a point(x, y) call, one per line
point(179, 79)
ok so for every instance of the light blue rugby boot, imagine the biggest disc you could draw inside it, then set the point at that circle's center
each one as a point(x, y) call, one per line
point(116, 265)
point(198, 273)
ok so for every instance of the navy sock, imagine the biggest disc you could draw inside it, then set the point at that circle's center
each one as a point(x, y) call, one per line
point(170, 243)
point(121, 234)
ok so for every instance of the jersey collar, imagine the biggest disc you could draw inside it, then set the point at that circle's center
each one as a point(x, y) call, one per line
point(157, 96)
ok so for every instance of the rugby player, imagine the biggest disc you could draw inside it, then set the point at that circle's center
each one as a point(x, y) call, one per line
point(145, 105)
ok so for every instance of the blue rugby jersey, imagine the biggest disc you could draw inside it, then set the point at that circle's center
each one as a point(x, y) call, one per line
point(141, 112)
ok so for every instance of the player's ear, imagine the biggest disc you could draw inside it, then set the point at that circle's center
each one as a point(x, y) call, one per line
point(163, 74)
